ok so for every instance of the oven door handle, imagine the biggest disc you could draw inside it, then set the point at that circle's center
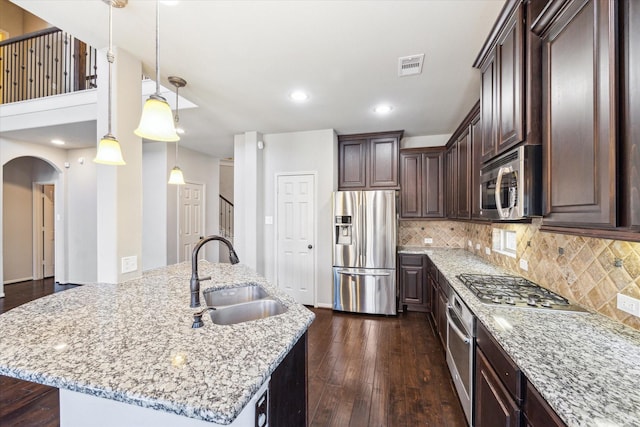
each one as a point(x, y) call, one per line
point(455, 328)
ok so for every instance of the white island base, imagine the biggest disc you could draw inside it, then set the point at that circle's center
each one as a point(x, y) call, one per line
point(80, 410)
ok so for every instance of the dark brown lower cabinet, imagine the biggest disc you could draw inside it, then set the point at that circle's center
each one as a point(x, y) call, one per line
point(288, 388)
point(443, 301)
point(494, 405)
point(413, 283)
point(537, 412)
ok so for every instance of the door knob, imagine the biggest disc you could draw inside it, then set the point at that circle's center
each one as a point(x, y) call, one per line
point(310, 247)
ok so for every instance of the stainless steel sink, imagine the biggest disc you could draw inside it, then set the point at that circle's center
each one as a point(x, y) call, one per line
point(222, 297)
point(244, 312)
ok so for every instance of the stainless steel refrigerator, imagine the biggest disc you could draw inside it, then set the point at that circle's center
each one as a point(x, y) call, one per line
point(364, 251)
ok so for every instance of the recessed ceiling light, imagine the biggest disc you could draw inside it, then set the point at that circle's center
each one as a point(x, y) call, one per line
point(57, 141)
point(299, 96)
point(383, 109)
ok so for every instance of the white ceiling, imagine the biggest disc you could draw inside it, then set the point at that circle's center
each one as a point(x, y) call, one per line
point(241, 59)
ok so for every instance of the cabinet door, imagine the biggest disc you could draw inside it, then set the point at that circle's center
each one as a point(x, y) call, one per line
point(443, 300)
point(432, 185)
point(352, 163)
point(579, 104)
point(631, 111)
point(494, 407)
point(411, 185)
point(537, 411)
point(463, 145)
point(451, 181)
point(487, 109)
point(510, 89)
point(413, 283)
point(383, 166)
point(476, 163)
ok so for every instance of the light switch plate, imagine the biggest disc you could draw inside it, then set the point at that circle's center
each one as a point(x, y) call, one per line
point(268, 220)
point(428, 240)
point(524, 264)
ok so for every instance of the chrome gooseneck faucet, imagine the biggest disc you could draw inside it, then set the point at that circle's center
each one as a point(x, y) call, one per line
point(195, 279)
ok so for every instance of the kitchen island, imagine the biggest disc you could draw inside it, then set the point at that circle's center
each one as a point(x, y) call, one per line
point(132, 344)
point(585, 365)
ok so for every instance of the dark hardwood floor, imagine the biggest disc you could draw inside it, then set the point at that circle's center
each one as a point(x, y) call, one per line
point(363, 371)
point(378, 371)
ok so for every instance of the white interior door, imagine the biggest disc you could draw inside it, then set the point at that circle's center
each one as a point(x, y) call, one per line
point(48, 232)
point(190, 219)
point(295, 236)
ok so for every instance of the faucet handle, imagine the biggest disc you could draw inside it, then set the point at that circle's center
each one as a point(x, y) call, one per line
point(202, 279)
point(197, 317)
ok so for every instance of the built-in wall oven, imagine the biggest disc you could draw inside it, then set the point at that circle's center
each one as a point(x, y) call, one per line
point(461, 351)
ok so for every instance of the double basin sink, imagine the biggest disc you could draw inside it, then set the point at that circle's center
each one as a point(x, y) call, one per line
point(241, 304)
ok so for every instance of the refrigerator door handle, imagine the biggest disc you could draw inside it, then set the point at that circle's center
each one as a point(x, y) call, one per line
point(362, 273)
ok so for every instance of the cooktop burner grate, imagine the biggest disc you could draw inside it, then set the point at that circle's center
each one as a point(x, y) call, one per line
point(515, 292)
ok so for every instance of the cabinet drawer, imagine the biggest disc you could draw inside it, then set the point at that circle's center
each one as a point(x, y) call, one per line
point(412, 260)
point(505, 368)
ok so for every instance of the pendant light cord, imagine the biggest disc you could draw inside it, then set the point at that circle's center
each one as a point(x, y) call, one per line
point(177, 119)
point(157, 47)
point(110, 58)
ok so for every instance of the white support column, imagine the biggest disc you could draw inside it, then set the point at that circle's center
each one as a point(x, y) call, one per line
point(119, 188)
point(249, 202)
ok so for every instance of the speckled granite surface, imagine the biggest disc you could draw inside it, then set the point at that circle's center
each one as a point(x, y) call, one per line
point(584, 364)
point(133, 342)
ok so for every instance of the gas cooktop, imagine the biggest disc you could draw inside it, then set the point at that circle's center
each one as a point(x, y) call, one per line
point(513, 291)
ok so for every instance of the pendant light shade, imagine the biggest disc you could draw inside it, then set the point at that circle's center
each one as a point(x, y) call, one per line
point(176, 176)
point(109, 152)
point(156, 122)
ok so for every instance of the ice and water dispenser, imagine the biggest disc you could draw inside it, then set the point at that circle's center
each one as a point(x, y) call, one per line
point(344, 230)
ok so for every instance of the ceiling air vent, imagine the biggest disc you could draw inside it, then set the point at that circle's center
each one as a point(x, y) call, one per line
point(410, 65)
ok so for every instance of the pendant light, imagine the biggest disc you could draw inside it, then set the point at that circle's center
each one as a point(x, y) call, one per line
point(109, 152)
point(156, 122)
point(176, 176)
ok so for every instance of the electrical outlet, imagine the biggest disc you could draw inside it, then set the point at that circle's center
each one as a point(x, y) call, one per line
point(628, 304)
point(428, 240)
point(478, 246)
point(487, 251)
point(524, 264)
point(129, 264)
point(469, 243)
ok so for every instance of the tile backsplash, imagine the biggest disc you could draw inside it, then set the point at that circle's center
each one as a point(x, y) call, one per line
point(587, 270)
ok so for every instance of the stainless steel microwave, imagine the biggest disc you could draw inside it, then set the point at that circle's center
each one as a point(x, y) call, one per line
point(511, 185)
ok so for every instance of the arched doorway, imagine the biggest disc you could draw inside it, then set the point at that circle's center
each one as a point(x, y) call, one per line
point(28, 219)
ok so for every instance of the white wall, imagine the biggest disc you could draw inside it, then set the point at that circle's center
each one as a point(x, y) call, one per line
point(82, 209)
point(425, 141)
point(304, 152)
point(154, 205)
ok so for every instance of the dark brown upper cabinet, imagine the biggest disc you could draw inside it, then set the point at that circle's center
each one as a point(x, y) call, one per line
point(460, 167)
point(579, 113)
point(369, 161)
point(509, 63)
point(421, 183)
point(630, 185)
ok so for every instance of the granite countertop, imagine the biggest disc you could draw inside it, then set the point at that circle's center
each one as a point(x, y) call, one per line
point(585, 365)
point(133, 343)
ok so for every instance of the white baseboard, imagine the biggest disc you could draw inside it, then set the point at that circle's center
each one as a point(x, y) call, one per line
point(324, 305)
point(24, 279)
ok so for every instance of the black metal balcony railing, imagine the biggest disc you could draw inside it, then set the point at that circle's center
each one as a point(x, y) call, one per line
point(226, 218)
point(44, 63)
